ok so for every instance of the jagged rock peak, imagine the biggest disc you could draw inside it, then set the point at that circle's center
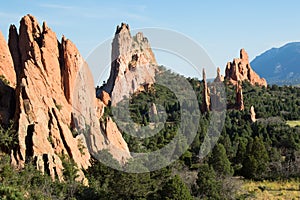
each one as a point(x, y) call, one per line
point(133, 65)
point(244, 55)
point(240, 70)
point(13, 44)
point(219, 78)
point(123, 27)
point(204, 75)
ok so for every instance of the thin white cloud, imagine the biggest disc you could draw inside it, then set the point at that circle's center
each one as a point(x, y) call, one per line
point(138, 8)
point(57, 6)
point(8, 15)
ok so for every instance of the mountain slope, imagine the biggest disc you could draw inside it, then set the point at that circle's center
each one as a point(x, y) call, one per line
point(280, 65)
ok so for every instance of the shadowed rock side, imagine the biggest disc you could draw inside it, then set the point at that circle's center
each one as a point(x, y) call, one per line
point(133, 65)
point(7, 83)
point(240, 70)
point(52, 93)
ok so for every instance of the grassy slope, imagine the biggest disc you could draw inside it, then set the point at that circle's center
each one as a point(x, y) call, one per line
point(271, 190)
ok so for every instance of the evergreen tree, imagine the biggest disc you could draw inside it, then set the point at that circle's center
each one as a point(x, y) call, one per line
point(256, 160)
point(175, 189)
point(207, 184)
point(219, 161)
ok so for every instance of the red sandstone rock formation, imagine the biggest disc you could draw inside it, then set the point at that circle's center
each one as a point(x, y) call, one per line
point(55, 98)
point(133, 64)
point(240, 70)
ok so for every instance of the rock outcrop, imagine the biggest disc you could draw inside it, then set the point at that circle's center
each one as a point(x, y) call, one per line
point(240, 70)
point(205, 107)
point(219, 78)
point(56, 110)
point(133, 65)
point(239, 97)
point(153, 109)
point(105, 97)
point(252, 114)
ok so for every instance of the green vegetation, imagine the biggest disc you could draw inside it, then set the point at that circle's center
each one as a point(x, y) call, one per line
point(4, 80)
point(250, 160)
point(58, 106)
point(8, 138)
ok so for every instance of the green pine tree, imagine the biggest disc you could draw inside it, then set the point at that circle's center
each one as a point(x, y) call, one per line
point(219, 161)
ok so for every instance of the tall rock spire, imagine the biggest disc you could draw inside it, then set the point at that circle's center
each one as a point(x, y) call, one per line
point(252, 114)
point(219, 77)
point(239, 97)
point(205, 94)
point(133, 65)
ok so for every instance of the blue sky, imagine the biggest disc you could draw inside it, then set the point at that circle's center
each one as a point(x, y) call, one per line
point(220, 27)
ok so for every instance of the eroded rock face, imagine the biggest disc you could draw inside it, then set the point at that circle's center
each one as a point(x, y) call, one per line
point(6, 63)
point(43, 113)
point(117, 146)
point(240, 70)
point(133, 65)
point(57, 112)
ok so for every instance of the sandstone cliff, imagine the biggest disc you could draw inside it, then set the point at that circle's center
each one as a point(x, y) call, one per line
point(56, 111)
point(240, 70)
point(133, 65)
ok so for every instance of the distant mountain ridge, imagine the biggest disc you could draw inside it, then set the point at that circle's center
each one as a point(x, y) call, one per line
point(280, 65)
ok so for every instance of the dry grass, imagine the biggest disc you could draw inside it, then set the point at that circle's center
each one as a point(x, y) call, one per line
point(293, 123)
point(280, 190)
